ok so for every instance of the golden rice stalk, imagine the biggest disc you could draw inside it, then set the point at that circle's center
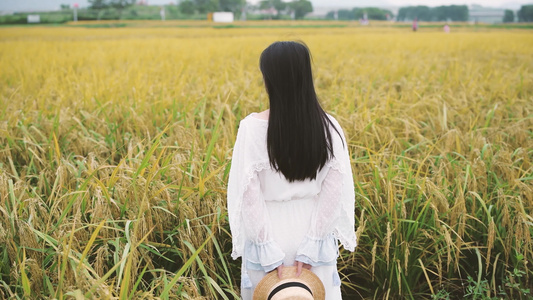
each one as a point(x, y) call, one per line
point(491, 236)
point(406, 254)
point(373, 263)
point(388, 238)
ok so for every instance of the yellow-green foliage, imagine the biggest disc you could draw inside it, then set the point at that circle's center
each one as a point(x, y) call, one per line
point(116, 144)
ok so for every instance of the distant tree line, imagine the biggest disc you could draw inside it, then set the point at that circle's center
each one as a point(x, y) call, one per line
point(280, 9)
point(190, 7)
point(117, 4)
point(525, 14)
point(102, 6)
point(457, 13)
point(357, 13)
point(296, 8)
point(508, 16)
point(186, 7)
point(439, 13)
point(274, 9)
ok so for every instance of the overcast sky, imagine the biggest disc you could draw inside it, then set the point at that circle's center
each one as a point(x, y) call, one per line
point(26, 5)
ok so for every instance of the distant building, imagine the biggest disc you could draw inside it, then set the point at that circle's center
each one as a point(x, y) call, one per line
point(223, 17)
point(34, 18)
point(478, 13)
point(322, 11)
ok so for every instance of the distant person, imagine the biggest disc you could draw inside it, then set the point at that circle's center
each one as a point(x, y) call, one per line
point(446, 28)
point(364, 20)
point(415, 24)
point(290, 189)
point(162, 13)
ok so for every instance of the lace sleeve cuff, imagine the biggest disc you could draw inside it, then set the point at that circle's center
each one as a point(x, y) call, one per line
point(318, 252)
point(263, 256)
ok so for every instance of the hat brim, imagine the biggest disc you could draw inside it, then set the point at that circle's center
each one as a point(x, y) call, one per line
point(271, 281)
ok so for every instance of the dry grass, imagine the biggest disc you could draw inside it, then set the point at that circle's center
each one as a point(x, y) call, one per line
point(116, 145)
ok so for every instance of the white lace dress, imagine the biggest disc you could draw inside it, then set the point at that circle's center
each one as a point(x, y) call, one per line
point(274, 221)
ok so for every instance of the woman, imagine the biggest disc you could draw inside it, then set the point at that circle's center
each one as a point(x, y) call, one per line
point(290, 188)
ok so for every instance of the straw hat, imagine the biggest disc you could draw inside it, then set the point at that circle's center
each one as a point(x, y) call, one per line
point(305, 287)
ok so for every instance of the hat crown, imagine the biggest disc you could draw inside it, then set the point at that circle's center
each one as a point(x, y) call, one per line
point(290, 290)
point(307, 286)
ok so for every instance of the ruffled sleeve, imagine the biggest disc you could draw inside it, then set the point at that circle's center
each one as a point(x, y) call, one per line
point(248, 216)
point(261, 252)
point(333, 216)
point(319, 246)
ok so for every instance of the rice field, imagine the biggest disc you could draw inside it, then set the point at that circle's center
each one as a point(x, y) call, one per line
point(115, 147)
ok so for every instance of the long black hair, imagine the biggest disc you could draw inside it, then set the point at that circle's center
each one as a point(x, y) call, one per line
point(299, 140)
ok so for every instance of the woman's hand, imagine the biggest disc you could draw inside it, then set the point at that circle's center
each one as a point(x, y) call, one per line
point(280, 270)
point(299, 266)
